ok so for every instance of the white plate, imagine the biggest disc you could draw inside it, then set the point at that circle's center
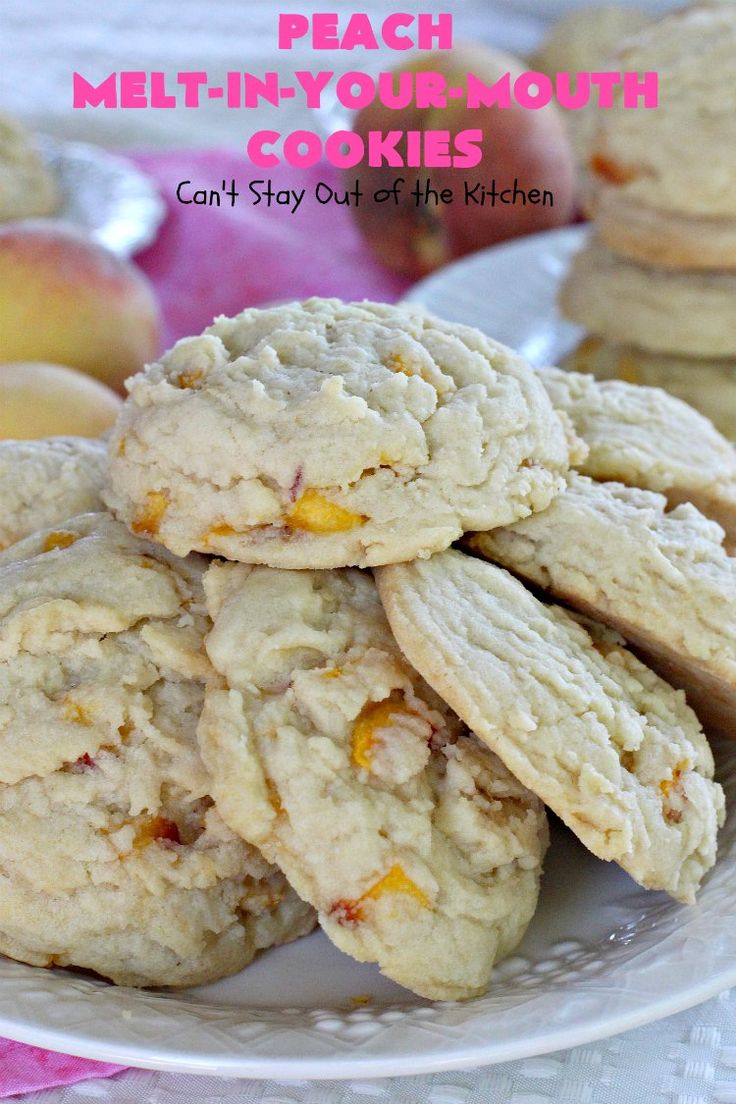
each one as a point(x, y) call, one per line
point(601, 955)
point(104, 194)
point(510, 292)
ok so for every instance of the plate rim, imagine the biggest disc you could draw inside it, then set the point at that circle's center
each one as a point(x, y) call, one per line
point(570, 236)
point(341, 1069)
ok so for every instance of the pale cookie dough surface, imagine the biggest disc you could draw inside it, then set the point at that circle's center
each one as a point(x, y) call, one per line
point(112, 856)
point(646, 438)
point(679, 156)
point(608, 745)
point(328, 752)
point(326, 434)
point(708, 385)
point(27, 188)
point(663, 579)
point(661, 310)
point(43, 482)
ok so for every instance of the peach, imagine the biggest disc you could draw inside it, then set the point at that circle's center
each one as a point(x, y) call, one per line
point(530, 146)
point(66, 299)
point(48, 400)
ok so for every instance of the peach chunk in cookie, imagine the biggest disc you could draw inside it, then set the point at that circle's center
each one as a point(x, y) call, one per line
point(329, 753)
point(326, 434)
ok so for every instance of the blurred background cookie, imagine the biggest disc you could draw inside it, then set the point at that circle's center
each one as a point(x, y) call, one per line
point(584, 41)
point(677, 160)
point(27, 187)
point(661, 187)
point(651, 236)
point(657, 309)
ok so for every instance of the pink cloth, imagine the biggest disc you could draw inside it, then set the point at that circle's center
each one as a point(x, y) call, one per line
point(218, 260)
point(24, 1069)
point(208, 261)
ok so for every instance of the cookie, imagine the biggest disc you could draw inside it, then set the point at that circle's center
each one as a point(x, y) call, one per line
point(660, 577)
point(678, 158)
point(602, 740)
point(583, 41)
point(643, 437)
point(708, 385)
point(323, 434)
point(44, 482)
point(27, 187)
point(112, 856)
point(88, 615)
point(330, 754)
point(657, 309)
point(650, 236)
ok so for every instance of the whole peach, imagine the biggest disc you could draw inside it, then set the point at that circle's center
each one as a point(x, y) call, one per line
point(519, 144)
point(66, 299)
point(49, 400)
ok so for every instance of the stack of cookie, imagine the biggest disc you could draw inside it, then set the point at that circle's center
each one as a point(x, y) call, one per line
point(656, 285)
point(236, 728)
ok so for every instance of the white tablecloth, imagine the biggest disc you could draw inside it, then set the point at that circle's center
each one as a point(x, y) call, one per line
point(687, 1059)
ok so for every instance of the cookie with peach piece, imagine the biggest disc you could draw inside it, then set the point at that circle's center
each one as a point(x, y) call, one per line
point(606, 743)
point(323, 434)
point(112, 855)
point(328, 752)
